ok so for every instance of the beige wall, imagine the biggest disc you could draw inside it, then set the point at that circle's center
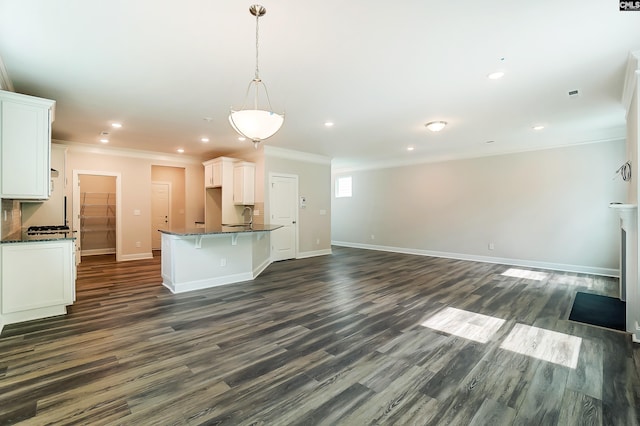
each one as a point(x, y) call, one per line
point(548, 206)
point(135, 171)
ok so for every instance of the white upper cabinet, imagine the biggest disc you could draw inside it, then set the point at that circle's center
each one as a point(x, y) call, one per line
point(25, 146)
point(244, 175)
point(213, 173)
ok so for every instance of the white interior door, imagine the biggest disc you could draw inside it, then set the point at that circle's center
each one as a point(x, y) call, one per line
point(160, 202)
point(284, 211)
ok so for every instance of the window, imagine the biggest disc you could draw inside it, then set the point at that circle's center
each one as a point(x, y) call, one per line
point(343, 186)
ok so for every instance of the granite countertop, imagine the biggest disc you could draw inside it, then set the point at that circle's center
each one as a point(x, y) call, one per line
point(22, 237)
point(224, 229)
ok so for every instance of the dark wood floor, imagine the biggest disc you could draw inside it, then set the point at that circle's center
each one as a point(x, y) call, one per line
point(330, 340)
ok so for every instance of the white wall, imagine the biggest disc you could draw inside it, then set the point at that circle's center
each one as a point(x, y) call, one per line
point(545, 208)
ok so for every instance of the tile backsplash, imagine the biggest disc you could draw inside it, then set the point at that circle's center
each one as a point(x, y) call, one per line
point(10, 217)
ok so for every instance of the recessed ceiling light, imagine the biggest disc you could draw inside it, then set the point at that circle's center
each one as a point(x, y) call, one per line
point(436, 126)
point(104, 140)
point(242, 139)
point(328, 123)
point(205, 140)
point(538, 127)
point(410, 148)
point(116, 125)
point(496, 75)
point(180, 150)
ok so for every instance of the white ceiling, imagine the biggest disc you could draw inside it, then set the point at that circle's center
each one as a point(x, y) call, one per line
point(380, 70)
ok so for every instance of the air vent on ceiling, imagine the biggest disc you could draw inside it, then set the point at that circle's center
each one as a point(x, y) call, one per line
point(573, 93)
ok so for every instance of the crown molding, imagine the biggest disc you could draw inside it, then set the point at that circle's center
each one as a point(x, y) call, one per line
point(271, 151)
point(337, 169)
point(126, 152)
point(630, 79)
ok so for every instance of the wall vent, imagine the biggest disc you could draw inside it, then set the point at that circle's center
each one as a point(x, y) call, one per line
point(573, 93)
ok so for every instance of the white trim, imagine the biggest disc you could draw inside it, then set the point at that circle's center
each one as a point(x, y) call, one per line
point(376, 165)
point(289, 154)
point(206, 283)
point(97, 252)
point(630, 79)
point(608, 272)
point(135, 256)
point(126, 152)
point(5, 84)
point(257, 271)
point(75, 210)
point(313, 253)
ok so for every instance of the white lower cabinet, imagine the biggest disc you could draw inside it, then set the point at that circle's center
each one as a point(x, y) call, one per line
point(37, 279)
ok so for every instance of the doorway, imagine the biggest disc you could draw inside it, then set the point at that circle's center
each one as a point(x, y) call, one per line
point(160, 211)
point(96, 213)
point(283, 203)
point(168, 201)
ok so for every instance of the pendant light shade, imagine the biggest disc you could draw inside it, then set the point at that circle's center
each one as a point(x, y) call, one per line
point(256, 124)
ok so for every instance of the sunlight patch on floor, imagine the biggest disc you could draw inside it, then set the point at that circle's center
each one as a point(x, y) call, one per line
point(523, 273)
point(547, 345)
point(465, 324)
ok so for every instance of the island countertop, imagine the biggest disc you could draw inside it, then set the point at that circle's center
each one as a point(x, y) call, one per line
point(223, 229)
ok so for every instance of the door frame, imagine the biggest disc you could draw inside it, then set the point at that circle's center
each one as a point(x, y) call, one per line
point(297, 219)
point(75, 211)
point(160, 182)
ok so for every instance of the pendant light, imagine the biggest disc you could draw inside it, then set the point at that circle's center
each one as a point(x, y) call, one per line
point(256, 124)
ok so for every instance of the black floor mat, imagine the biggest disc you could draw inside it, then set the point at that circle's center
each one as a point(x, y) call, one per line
point(603, 311)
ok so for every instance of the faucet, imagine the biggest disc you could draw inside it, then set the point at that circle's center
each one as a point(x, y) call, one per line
point(250, 214)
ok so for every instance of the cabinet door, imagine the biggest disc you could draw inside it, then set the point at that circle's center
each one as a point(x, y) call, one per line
point(208, 176)
point(25, 147)
point(217, 175)
point(243, 184)
point(37, 275)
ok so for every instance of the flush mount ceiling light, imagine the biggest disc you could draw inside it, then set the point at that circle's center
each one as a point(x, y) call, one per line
point(436, 126)
point(538, 127)
point(256, 124)
point(496, 75)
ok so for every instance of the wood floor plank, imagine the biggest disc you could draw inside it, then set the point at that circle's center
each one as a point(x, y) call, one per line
point(353, 338)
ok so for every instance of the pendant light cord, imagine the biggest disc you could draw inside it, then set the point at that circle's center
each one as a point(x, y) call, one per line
point(257, 69)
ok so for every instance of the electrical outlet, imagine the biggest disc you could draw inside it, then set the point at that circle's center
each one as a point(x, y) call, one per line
point(373, 237)
point(317, 240)
point(492, 246)
point(223, 262)
point(138, 244)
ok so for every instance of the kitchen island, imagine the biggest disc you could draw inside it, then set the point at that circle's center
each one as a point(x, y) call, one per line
point(199, 258)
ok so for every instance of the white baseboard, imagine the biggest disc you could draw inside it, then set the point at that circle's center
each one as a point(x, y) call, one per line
point(257, 271)
point(206, 283)
point(314, 253)
point(135, 256)
point(97, 252)
point(486, 259)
